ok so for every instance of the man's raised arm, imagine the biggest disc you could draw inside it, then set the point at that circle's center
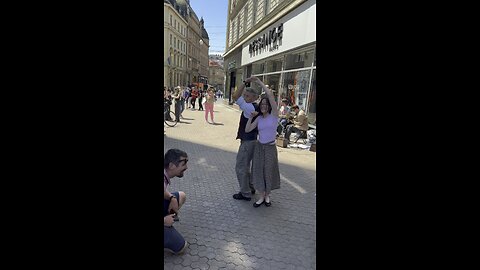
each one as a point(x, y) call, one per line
point(238, 93)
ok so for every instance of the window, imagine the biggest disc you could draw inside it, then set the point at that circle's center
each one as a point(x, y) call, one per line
point(295, 87)
point(312, 100)
point(230, 34)
point(234, 29)
point(258, 68)
point(170, 19)
point(260, 11)
point(274, 65)
point(272, 4)
point(249, 10)
point(299, 59)
point(273, 81)
point(241, 23)
point(170, 39)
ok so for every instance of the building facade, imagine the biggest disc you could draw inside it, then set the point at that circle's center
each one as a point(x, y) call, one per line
point(274, 40)
point(174, 44)
point(216, 74)
point(197, 50)
point(186, 45)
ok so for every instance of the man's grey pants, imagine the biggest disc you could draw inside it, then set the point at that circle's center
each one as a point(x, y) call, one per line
point(243, 167)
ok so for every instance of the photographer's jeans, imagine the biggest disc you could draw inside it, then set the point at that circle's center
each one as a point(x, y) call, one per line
point(172, 239)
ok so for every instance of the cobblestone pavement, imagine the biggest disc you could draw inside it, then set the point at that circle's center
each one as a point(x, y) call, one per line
point(224, 233)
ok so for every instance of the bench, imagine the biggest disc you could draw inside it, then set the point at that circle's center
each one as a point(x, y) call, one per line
point(303, 136)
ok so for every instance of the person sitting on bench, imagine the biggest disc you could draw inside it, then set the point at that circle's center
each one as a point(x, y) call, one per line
point(300, 122)
point(283, 115)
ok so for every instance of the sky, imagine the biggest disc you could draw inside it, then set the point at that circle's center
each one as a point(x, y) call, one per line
point(214, 13)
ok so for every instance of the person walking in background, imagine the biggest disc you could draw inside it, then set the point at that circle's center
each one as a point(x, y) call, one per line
point(194, 97)
point(167, 101)
point(284, 115)
point(182, 101)
point(200, 99)
point(176, 98)
point(187, 97)
point(209, 103)
point(265, 170)
point(246, 101)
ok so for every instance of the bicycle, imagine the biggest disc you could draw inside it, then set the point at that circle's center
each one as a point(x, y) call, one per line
point(168, 116)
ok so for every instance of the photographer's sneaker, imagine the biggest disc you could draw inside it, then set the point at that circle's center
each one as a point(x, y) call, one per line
point(181, 251)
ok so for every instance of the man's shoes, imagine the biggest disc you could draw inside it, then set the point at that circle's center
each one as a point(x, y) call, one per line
point(239, 196)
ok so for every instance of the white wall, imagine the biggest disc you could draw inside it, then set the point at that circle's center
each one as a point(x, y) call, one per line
point(298, 29)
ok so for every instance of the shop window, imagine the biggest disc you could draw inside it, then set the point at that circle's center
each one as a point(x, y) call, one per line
point(274, 65)
point(312, 100)
point(273, 81)
point(258, 68)
point(299, 59)
point(249, 70)
point(295, 87)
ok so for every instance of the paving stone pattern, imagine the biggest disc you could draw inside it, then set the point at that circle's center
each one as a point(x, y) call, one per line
point(224, 233)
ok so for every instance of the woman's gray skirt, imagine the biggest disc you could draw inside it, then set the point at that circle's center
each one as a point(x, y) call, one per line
point(265, 171)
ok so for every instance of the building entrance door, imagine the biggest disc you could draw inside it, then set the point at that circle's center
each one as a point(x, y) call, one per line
point(233, 78)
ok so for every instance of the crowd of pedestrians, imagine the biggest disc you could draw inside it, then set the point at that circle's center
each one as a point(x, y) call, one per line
point(188, 97)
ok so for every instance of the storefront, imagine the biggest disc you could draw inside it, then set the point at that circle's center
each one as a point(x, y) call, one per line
point(284, 57)
point(234, 75)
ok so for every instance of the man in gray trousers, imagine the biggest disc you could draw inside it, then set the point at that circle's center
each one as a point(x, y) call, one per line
point(245, 97)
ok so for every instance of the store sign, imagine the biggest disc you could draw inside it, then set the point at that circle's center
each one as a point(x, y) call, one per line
point(269, 39)
point(232, 65)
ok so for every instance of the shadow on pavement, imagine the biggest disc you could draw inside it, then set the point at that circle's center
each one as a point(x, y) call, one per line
point(228, 230)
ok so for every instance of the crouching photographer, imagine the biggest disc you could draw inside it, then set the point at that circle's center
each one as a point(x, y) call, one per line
point(175, 163)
